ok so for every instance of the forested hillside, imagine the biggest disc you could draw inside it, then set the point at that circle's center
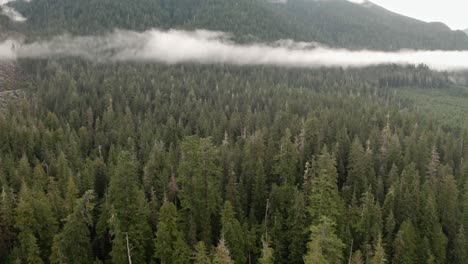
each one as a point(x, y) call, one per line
point(188, 164)
point(334, 22)
point(119, 163)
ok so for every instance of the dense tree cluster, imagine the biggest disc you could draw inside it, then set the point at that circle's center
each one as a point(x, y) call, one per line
point(214, 164)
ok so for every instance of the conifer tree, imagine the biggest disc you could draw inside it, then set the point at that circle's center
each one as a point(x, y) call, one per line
point(324, 242)
point(170, 246)
point(371, 219)
point(70, 195)
point(266, 256)
point(28, 251)
point(233, 234)
point(405, 245)
point(73, 243)
point(296, 224)
point(447, 198)
point(201, 256)
point(356, 258)
point(129, 207)
point(459, 251)
point(221, 254)
point(408, 194)
point(287, 161)
point(7, 221)
point(315, 253)
point(379, 253)
point(324, 198)
point(35, 221)
point(200, 187)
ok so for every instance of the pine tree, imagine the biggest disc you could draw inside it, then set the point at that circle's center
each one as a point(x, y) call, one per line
point(73, 243)
point(356, 258)
point(324, 198)
point(129, 207)
point(266, 256)
point(447, 199)
point(408, 194)
point(371, 220)
point(232, 192)
point(329, 245)
point(433, 167)
point(40, 178)
point(287, 161)
point(221, 254)
point(35, 220)
point(121, 251)
point(28, 251)
point(170, 246)
point(296, 224)
point(200, 194)
point(315, 254)
point(201, 256)
point(156, 171)
point(357, 181)
point(7, 222)
point(62, 172)
point(233, 234)
point(70, 195)
point(379, 253)
point(405, 245)
point(459, 251)
point(429, 225)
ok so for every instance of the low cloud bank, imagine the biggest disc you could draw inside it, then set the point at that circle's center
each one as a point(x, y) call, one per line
point(208, 47)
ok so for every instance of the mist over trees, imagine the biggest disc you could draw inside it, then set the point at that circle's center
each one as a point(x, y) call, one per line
point(216, 164)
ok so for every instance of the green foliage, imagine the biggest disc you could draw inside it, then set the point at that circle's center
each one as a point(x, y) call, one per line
point(405, 244)
point(129, 209)
point(200, 180)
point(233, 234)
point(324, 243)
point(73, 243)
point(170, 246)
point(335, 23)
point(266, 256)
point(165, 147)
point(221, 254)
point(325, 199)
point(201, 255)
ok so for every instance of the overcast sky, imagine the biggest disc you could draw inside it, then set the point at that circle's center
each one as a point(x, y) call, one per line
point(454, 13)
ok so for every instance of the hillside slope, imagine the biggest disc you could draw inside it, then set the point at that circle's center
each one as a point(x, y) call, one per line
point(334, 22)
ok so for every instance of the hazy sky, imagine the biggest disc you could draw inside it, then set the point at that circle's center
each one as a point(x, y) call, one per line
point(454, 13)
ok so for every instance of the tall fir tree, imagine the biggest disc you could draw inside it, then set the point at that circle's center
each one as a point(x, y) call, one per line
point(221, 254)
point(129, 206)
point(170, 246)
point(405, 245)
point(73, 243)
point(201, 256)
point(266, 256)
point(324, 199)
point(7, 222)
point(200, 188)
point(324, 242)
point(233, 233)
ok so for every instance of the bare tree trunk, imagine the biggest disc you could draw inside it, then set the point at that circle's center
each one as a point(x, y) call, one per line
point(128, 249)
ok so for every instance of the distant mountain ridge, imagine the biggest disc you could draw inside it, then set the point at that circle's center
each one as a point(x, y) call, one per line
point(337, 23)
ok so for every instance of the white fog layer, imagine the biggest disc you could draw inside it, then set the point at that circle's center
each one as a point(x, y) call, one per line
point(208, 47)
